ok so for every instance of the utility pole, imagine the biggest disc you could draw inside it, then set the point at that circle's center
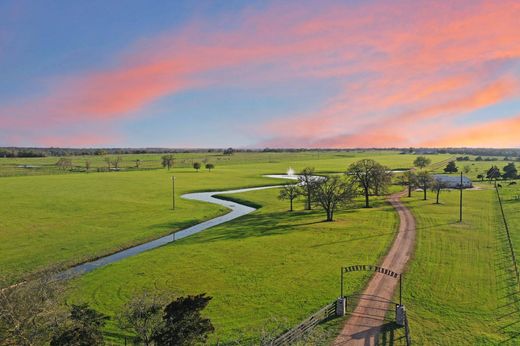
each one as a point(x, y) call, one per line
point(460, 211)
point(173, 192)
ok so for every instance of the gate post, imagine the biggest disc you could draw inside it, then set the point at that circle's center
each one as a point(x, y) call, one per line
point(340, 307)
point(400, 313)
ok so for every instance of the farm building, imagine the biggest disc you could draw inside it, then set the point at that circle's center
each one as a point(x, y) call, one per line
point(453, 181)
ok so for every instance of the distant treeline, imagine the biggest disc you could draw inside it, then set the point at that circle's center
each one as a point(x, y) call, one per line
point(43, 152)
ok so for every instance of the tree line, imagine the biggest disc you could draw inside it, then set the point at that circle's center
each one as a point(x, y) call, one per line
point(330, 193)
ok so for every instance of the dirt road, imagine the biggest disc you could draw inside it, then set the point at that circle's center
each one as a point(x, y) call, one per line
point(367, 324)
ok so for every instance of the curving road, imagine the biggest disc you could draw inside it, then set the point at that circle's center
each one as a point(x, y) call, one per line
point(367, 323)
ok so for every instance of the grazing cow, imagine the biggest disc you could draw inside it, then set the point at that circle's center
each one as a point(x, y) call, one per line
point(512, 183)
point(499, 185)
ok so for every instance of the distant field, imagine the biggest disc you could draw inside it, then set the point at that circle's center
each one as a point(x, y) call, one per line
point(47, 165)
point(269, 264)
point(66, 219)
point(456, 290)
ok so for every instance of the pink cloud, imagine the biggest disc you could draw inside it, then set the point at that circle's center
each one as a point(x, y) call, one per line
point(401, 65)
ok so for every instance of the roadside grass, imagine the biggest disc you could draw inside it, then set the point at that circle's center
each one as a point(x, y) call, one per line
point(71, 218)
point(268, 264)
point(458, 289)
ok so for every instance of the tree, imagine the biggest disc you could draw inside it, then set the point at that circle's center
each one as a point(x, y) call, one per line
point(64, 163)
point(196, 166)
point(142, 316)
point(510, 171)
point(167, 161)
point(108, 161)
point(30, 311)
point(289, 192)
point(424, 181)
point(371, 177)
point(117, 161)
point(307, 180)
point(382, 179)
point(481, 177)
point(83, 328)
point(451, 167)
point(183, 323)
point(493, 174)
point(210, 166)
point(408, 179)
point(333, 192)
point(229, 151)
point(437, 186)
point(137, 163)
point(87, 165)
point(421, 161)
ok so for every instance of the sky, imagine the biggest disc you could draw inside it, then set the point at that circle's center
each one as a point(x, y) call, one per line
point(255, 74)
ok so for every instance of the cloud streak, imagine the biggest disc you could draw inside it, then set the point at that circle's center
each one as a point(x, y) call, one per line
point(401, 66)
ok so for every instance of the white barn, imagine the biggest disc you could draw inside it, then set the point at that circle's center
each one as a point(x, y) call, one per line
point(453, 181)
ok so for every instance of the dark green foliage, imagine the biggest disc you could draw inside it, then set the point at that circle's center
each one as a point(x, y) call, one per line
point(196, 166)
point(493, 173)
point(83, 328)
point(210, 166)
point(183, 323)
point(510, 171)
point(451, 167)
point(421, 161)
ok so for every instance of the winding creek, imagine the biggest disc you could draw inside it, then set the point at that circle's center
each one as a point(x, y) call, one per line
point(236, 210)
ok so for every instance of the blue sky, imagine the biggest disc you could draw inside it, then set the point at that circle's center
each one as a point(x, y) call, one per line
point(256, 74)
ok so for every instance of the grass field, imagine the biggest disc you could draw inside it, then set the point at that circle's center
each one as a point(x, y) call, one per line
point(510, 195)
point(271, 263)
point(47, 165)
point(458, 290)
point(66, 219)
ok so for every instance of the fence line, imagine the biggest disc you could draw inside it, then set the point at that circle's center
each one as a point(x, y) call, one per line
point(407, 330)
point(509, 238)
point(305, 327)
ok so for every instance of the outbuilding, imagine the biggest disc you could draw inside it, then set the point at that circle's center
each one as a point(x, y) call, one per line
point(453, 181)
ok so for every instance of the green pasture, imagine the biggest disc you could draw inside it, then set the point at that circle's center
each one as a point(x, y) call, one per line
point(66, 219)
point(510, 195)
point(459, 289)
point(47, 165)
point(265, 265)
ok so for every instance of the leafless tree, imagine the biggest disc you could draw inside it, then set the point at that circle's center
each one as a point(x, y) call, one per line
point(30, 312)
point(108, 161)
point(408, 179)
point(117, 161)
point(64, 163)
point(371, 177)
point(307, 180)
point(137, 163)
point(167, 161)
point(87, 165)
point(289, 192)
point(143, 316)
point(437, 186)
point(424, 181)
point(332, 193)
